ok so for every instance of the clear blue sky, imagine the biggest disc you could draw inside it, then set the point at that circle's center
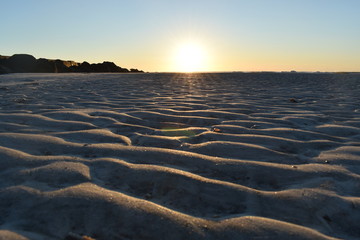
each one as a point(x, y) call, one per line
point(232, 34)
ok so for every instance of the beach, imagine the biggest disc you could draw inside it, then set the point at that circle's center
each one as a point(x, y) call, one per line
point(180, 156)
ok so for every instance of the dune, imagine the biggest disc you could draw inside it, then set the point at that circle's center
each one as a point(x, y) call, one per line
point(180, 156)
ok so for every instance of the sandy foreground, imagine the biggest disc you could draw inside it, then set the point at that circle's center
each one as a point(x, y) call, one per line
point(180, 156)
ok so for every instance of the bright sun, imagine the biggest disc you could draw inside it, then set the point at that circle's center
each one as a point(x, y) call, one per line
point(190, 57)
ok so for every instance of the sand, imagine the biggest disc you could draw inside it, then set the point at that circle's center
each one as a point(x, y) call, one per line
point(180, 156)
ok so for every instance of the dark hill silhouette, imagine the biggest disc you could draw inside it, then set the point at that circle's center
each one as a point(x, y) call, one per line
point(24, 63)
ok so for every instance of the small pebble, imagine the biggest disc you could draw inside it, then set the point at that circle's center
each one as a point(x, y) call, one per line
point(216, 130)
point(20, 100)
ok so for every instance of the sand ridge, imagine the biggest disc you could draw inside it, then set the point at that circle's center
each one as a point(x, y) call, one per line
point(175, 156)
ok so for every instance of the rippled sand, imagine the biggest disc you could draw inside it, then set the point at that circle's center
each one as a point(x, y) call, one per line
point(180, 156)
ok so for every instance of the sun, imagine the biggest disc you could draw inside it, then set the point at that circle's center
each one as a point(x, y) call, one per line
point(190, 57)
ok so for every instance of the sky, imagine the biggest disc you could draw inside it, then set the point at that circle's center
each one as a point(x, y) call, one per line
point(188, 35)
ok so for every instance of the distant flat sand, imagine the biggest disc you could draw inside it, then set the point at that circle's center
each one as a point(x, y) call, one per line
point(177, 156)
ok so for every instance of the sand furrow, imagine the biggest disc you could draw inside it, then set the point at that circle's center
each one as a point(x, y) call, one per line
point(86, 201)
point(181, 156)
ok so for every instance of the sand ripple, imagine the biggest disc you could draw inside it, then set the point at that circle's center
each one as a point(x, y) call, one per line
point(180, 156)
